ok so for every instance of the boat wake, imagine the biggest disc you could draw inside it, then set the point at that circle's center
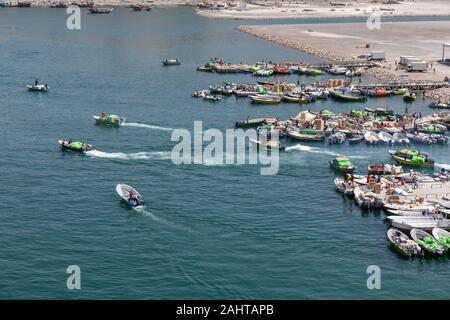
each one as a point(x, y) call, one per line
point(301, 147)
point(443, 166)
point(145, 212)
point(156, 155)
point(146, 126)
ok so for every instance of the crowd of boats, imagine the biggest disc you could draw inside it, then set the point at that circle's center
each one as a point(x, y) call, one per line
point(373, 126)
point(268, 92)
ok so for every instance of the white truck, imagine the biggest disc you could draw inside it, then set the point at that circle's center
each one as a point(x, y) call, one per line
point(420, 66)
point(377, 55)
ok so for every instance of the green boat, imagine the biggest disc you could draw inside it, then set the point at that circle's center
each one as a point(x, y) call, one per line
point(326, 114)
point(400, 92)
point(310, 71)
point(433, 129)
point(443, 238)
point(307, 135)
point(109, 120)
point(409, 97)
point(347, 97)
point(359, 113)
point(427, 242)
point(412, 158)
point(342, 164)
point(254, 69)
point(75, 145)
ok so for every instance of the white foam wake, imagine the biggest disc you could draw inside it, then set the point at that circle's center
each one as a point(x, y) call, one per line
point(145, 212)
point(304, 148)
point(146, 126)
point(157, 155)
point(443, 165)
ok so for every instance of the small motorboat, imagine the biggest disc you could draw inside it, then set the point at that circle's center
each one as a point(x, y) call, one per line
point(439, 105)
point(391, 169)
point(366, 198)
point(375, 169)
point(267, 144)
point(249, 123)
point(213, 98)
point(371, 137)
point(355, 138)
point(243, 93)
point(403, 243)
point(171, 62)
point(75, 145)
point(130, 196)
point(400, 138)
point(310, 71)
point(420, 138)
point(307, 135)
point(343, 187)
point(263, 73)
point(427, 242)
point(38, 87)
point(265, 99)
point(419, 222)
point(386, 137)
point(433, 129)
point(100, 10)
point(409, 97)
point(412, 158)
point(342, 164)
point(443, 237)
point(346, 97)
point(282, 70)
point(336, 138)
point(109, 120)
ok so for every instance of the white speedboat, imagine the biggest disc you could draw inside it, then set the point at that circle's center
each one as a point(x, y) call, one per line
point(371, 137)
point(130, 196)
point(267, 144)
point(343, 187)
point(38, 87)
point(423, 223)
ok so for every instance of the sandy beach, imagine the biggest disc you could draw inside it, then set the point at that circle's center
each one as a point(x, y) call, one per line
point(329, 9)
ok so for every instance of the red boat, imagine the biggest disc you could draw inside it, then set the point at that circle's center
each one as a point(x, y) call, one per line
point(282, 70)
point(376, 169)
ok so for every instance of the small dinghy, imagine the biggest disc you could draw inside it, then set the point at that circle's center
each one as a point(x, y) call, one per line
point(75, 145)
point(420, 138)
point(265, 99)
point(38, 87)
point(375, 169)
point(385, 137)
point(403, 243)
point(210, 97)
point(443, 237)
point(343, 187)
point(171, 62)
point(427, 242)
point(355, 138)
point(342, 164)
point(423, 223)
point(267, 144)
point(129, 195)
point(337, 138)
point(99, 10)
point(400, 138)
point(371, 137)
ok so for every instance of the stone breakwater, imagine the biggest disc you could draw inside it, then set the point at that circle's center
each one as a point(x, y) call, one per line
point(439, 95)
point(328, 56)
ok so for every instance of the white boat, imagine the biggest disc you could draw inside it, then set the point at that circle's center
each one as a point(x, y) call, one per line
point(423, 223)
point(130, 195)
point(38, 87)
point(366, 198)
point(391, 169)
point(438, 233)
point(385, 137)
point(267, 144)
point(409, 207)
point(265, 99)
point(408, 213)
point(403, 243)
point(371, 137)
point(343, 187)
point(400, 138)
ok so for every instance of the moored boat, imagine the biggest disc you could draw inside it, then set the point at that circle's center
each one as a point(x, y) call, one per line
point(347, 97)
point(426, 242)
point(412, 158)
point(307, 135)
point(343, 187)
point(443, 237)
point(265, 99)
point(337, 138)
point(371, 137)
point(249, 123)
point(403, 243)
point(409, 97)
point(100, 10)
point(426, 223)
point(385, 137)
point(366, 198)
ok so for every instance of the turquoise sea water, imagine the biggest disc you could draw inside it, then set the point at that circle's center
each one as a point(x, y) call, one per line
point(208, 231)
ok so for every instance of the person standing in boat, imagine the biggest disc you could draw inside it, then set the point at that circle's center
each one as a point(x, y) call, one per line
point(36, 82)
